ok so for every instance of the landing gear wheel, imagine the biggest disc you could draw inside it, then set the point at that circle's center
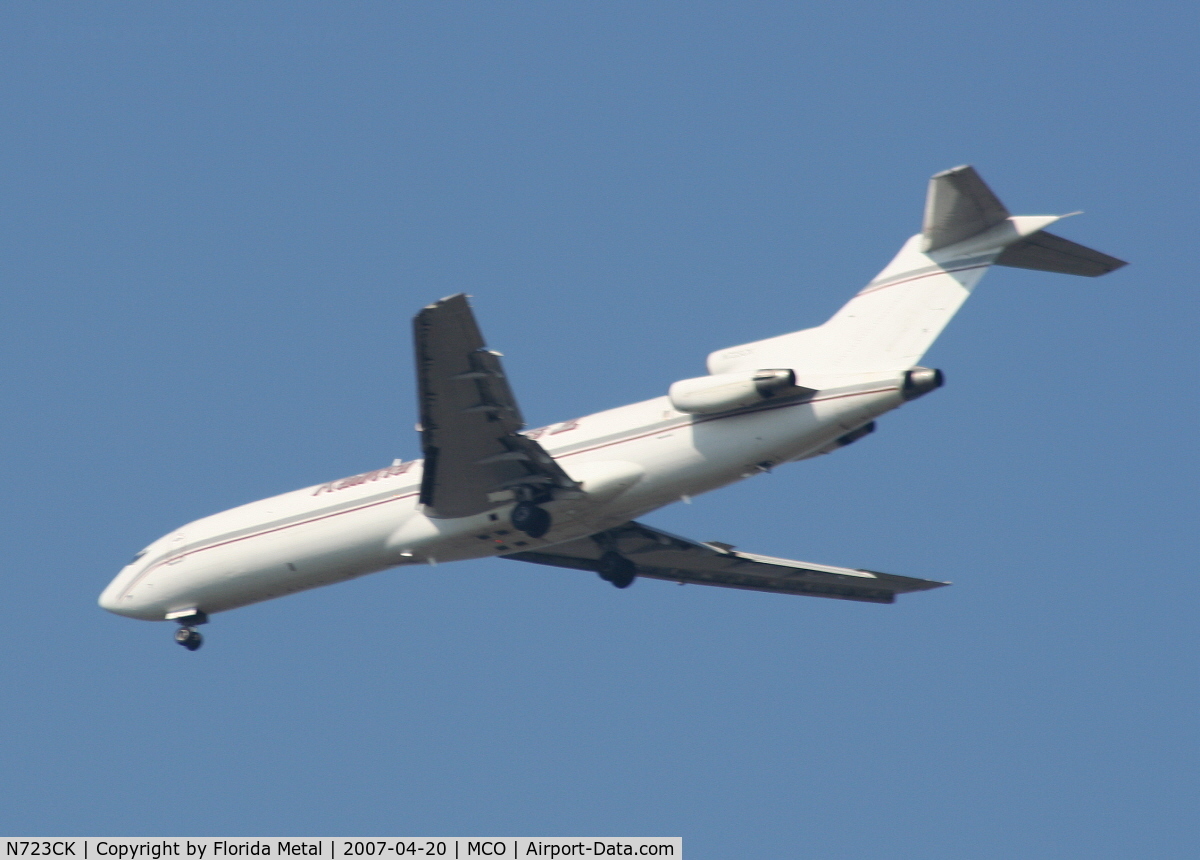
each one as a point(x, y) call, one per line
point(617, 569)
point(189, 638)
point(529, 518)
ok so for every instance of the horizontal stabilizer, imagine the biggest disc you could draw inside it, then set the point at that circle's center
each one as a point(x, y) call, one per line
point(959, 205)
point(1049, 253)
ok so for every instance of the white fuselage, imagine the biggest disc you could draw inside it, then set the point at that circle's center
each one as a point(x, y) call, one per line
point(629, 460)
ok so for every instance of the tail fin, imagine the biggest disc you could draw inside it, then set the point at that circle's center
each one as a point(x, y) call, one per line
point(959, 205)
point(892, 321)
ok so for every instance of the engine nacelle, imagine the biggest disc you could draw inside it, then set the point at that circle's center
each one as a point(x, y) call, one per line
point(920, 381)
point(722, 392)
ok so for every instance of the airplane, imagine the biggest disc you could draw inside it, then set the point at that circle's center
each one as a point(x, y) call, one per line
point(568, 495)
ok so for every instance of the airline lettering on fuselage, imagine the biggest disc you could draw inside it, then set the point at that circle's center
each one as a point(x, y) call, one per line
point(401, 468)
point(553, 429)
point(365, 477)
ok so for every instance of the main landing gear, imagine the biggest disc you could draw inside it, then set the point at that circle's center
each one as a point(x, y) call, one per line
point(529, 518)
point(617, 569)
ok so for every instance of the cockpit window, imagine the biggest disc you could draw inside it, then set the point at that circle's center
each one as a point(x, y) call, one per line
point(136, 557)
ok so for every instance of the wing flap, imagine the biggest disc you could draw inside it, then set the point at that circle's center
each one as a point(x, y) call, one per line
point(662, 555)
point(474, 455)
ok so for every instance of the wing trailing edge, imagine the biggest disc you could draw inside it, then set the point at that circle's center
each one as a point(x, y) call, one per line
point(662, 555)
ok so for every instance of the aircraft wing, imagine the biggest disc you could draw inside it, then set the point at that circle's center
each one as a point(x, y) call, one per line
point(661, 555)
point(475, 458)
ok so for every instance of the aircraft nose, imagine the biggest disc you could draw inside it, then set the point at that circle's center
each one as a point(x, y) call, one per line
point(113, 597)
point(110, 597)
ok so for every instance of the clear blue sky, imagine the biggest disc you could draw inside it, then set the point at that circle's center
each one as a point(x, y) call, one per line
point(217, 221)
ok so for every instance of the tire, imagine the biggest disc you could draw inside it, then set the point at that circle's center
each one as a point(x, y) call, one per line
point(529, 518)
point(189, 638)
point(617, 569)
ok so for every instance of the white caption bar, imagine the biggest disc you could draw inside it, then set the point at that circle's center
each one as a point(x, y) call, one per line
point(339, 847)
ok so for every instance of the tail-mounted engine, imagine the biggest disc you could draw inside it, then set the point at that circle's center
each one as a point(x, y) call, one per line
point(920, 381)
point(725, 391)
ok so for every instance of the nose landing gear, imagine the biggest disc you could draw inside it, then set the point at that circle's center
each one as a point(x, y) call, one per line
point(189, 638)
point(187, 635)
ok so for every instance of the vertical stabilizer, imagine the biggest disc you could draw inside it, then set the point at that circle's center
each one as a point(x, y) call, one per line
point(895, 318)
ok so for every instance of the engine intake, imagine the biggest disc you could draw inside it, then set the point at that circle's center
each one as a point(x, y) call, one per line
point(725, 391)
